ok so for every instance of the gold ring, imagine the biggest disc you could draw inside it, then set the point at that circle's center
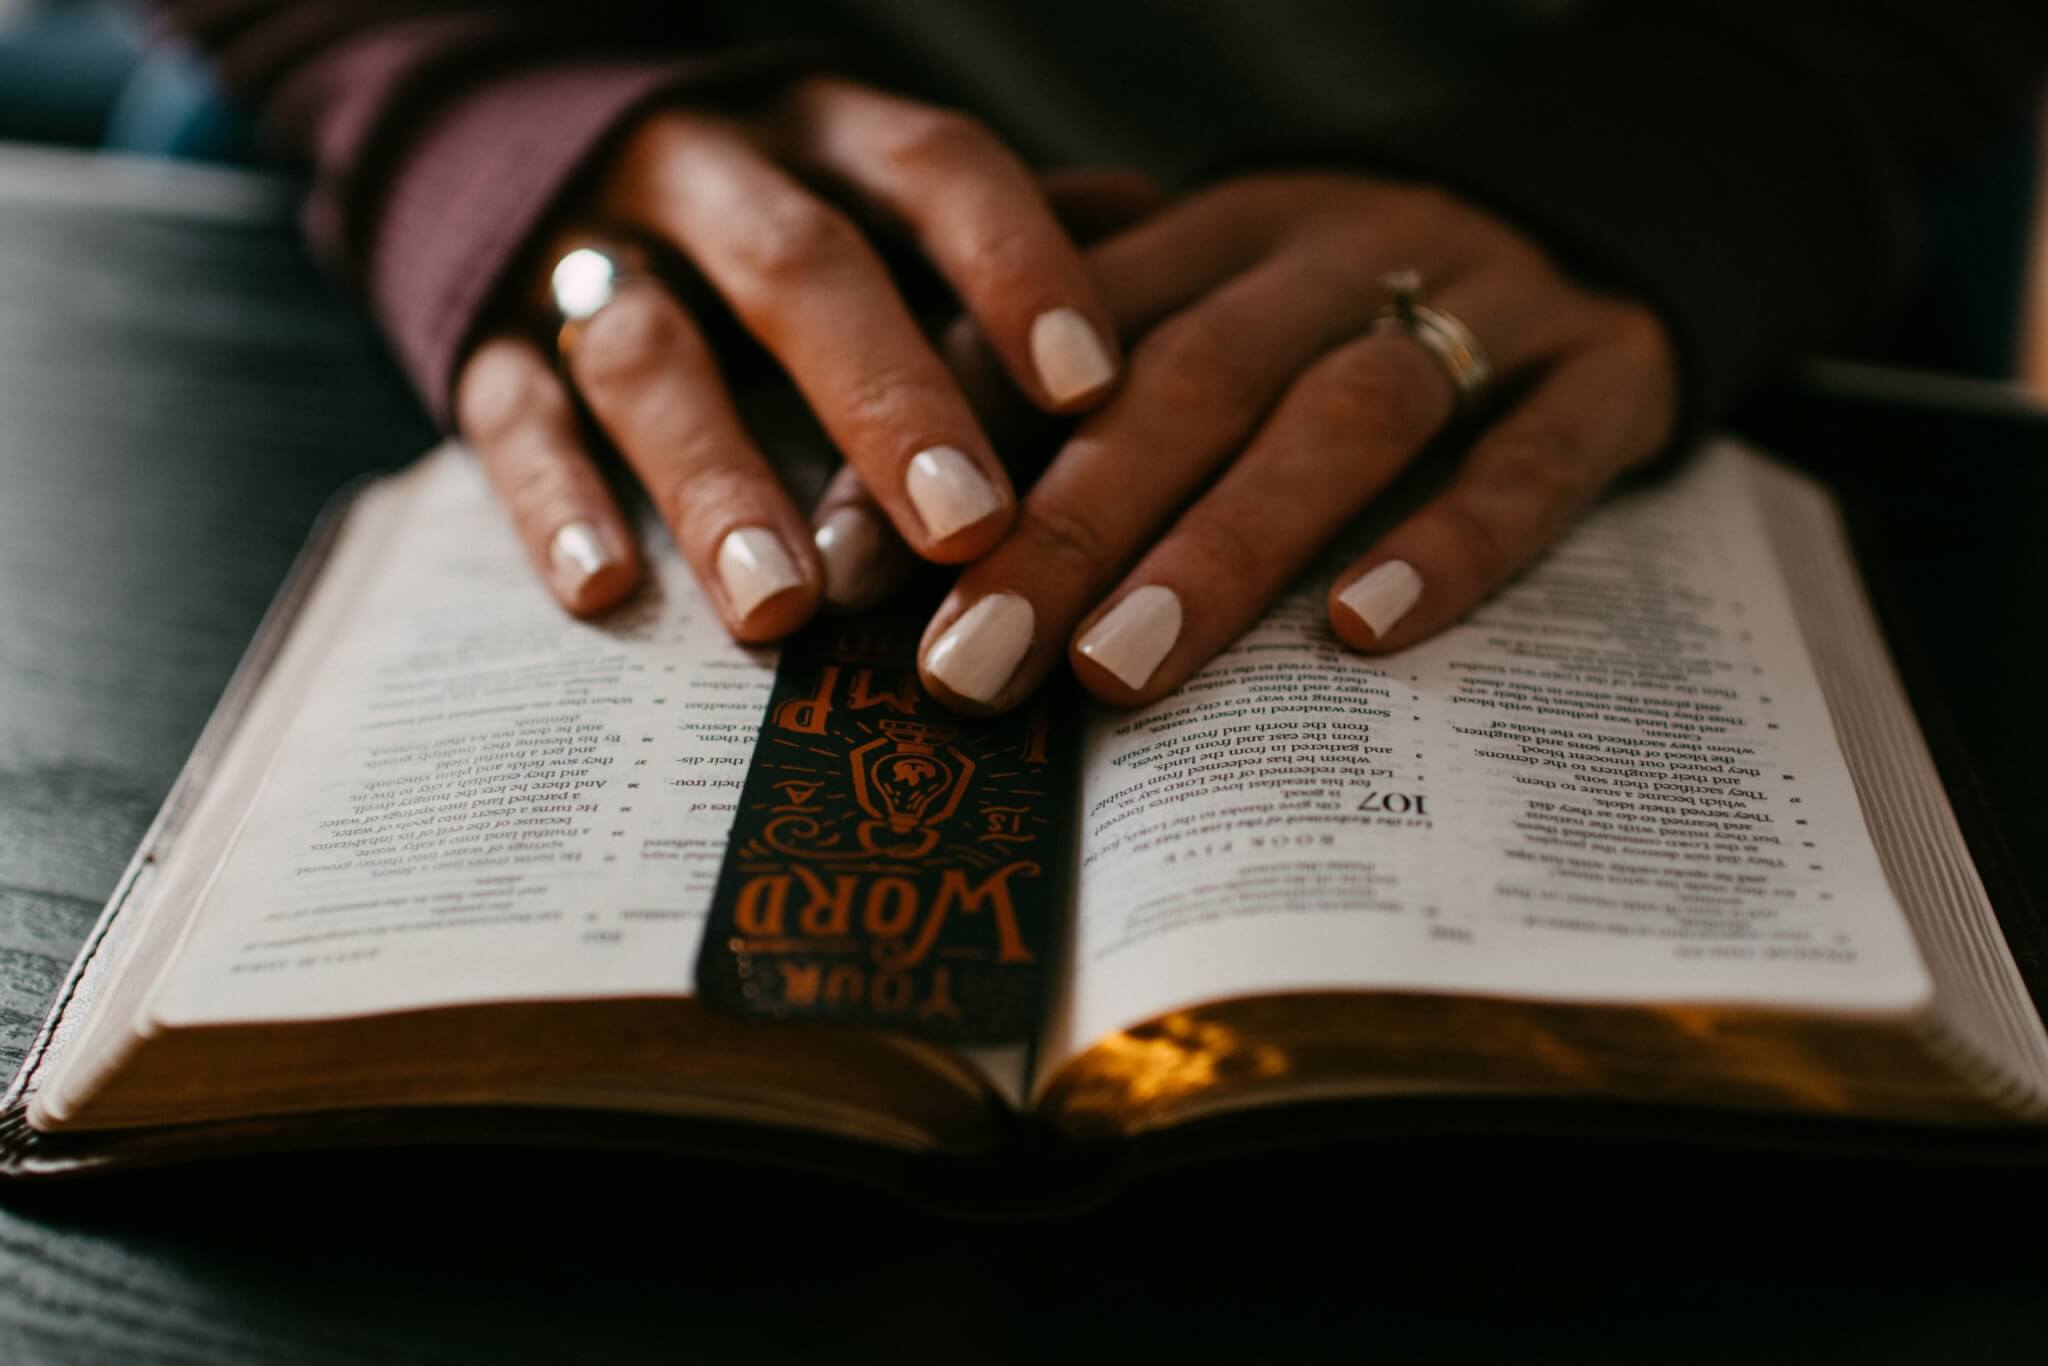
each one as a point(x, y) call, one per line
point(1463, 359)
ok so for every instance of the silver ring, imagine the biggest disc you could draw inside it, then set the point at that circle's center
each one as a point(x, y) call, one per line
point(586, 278)
point(1443, 336)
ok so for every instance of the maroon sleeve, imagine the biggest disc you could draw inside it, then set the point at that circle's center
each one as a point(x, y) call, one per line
point(441, 135)
point(1759, 170)
point(474, 180)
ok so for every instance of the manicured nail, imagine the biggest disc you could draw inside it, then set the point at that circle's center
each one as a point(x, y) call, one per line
point(1070, 357)
point(978, 653)
point(949, 491)
point(1136, 634)
point(850, 547)
point(1382, 597)
point(577, 555)
point(754, 567)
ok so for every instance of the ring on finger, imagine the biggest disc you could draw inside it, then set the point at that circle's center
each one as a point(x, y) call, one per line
point(1448, 340)
point(586, 278)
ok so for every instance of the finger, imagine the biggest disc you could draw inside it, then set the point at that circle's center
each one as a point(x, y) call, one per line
point(863, 558)
point(982, 220)
point(1351, 423)
point(1091, 204)
point(807, 285)
point(1162, 263)
point(1159, 265)
point(651, 383)
point(1523, 483)
point(1096, 202)
point(1001, 410)
point(516, 416)
point(1197, 389)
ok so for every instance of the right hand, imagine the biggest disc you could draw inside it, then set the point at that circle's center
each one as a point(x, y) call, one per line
point(727, 194)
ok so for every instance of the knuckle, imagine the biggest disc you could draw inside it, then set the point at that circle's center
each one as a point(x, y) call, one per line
point(503, 387)
point(535, 489)
point(1059, 534)
point(804, 96)
point(1426, 202)
point(1478, 540)
point(1414, 211)
point(800, 236)
point(1005, 253)
point(929, 139)
point(653, 139)
point(694, 497)
point(1365, 394)
point(1644, 345)
point(885, 401)
point(1201, 362)
point(1272, 196)
point(1540, 461)
point(1345, 254)
point(1234, 552)
point(1636, 332)
point(635, 335)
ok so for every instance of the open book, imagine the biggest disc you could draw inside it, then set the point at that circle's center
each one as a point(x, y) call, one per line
point(1655, 825)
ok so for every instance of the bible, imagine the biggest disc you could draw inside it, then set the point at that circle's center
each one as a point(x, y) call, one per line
point(1653, 833)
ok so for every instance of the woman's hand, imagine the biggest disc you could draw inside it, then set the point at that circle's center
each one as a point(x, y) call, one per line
point(731, 197)
point(1262, 410)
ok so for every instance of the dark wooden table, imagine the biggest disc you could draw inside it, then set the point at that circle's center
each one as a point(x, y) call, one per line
point(180, 392)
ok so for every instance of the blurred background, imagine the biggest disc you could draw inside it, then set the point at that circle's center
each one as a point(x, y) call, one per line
point(85, 74)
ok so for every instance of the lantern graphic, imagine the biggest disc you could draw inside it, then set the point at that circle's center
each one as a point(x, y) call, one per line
point(909, 782)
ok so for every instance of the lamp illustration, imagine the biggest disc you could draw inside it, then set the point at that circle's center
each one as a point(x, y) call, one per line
point(909, 782)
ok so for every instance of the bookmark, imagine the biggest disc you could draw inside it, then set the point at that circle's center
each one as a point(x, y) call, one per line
point(892, 864)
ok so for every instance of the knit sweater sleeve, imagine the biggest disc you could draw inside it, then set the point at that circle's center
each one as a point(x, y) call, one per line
point(441, 136)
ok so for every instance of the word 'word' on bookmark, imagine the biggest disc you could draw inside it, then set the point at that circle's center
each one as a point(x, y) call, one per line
point(891, 864)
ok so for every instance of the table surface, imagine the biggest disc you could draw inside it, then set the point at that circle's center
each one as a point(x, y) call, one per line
point(179, 394)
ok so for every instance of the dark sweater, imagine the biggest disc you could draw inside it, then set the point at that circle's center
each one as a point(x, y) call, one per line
point(1758, 170)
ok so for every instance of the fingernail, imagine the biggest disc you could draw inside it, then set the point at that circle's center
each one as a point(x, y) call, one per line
point(576, 556)
point(1136, 634)
point(850, 547)
point(1381, 598)
point(978, 653)
point(754, 567)
point(1070, 357)
point(949, 491)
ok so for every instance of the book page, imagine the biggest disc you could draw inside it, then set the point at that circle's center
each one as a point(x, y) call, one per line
point(480, 798)
point(1615, 782)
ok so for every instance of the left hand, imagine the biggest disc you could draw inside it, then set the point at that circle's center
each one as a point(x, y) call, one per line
point(1261, 411)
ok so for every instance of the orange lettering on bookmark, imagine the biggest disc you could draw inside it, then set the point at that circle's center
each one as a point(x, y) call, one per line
point(995, 891)
point(762, 900)
point(1003, 826)
point(799, 795)
point(940, 1005)
point(1037, 735)
point(900, 698)
point(843, 987)
point(807, 715)
point(800, 983)
point(825, 914)
point(891, 908)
